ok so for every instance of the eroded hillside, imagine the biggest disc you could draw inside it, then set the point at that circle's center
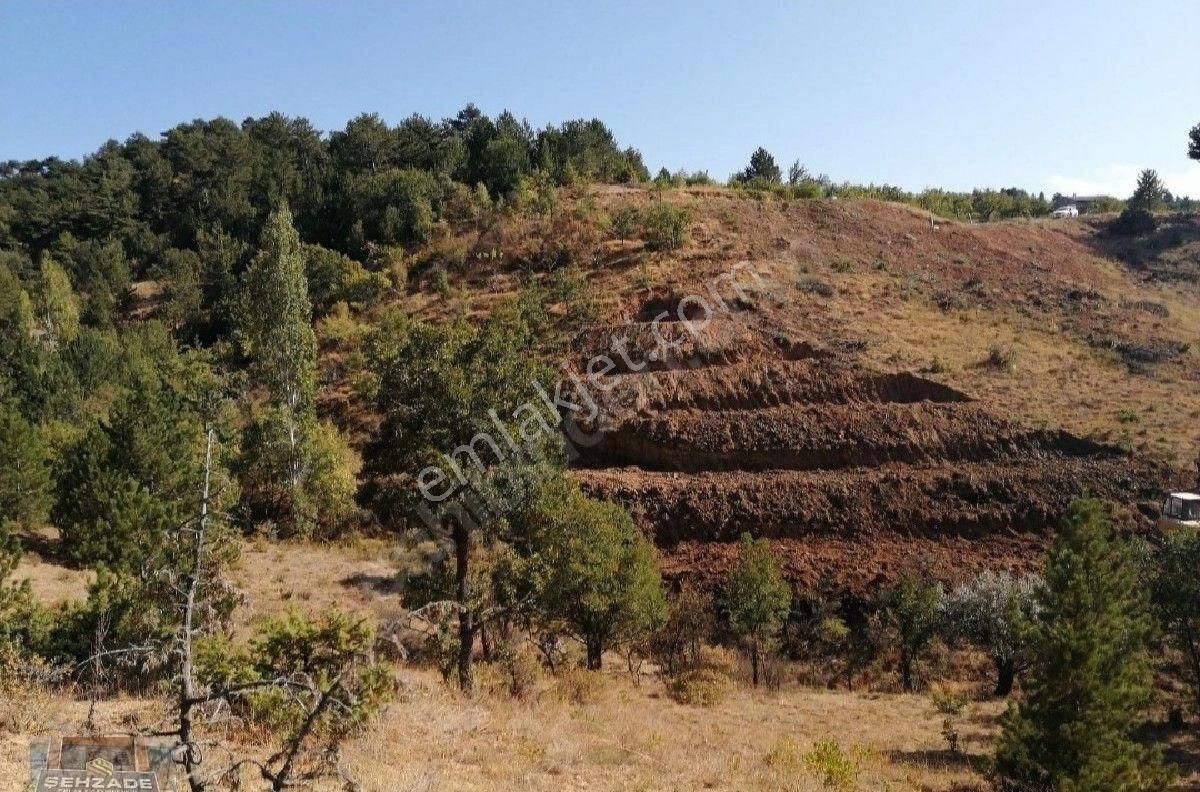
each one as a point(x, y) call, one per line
point(1044, 321)
point(853, 474)
point(886, 391)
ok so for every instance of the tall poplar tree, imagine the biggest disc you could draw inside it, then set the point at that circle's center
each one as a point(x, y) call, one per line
point(277, 336)
point(57, 305)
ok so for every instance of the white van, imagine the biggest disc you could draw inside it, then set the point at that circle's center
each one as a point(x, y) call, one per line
point(1180, 510)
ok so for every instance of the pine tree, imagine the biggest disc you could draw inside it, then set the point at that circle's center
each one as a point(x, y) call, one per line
point(757, 597)
point(762, 168)
point(1150, 195)
point(1176, 591)
point(26, 489)
point(121, 483)
point(1194, 143)
point(1089, 674)
point(23, 622)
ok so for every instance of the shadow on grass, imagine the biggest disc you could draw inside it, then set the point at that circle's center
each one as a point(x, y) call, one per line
point(941, 759)
point(47, 546)
point(1170, 253)
point(380, 584)
point(1181, 749)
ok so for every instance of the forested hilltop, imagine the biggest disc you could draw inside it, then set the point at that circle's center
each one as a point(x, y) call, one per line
point(143, 291)
point(162, 309)
point(130, 210)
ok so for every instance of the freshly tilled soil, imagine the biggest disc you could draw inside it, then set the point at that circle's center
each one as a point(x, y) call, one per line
point(853, 474)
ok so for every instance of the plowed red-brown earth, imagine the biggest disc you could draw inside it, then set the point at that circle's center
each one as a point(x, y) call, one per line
point(710, 430)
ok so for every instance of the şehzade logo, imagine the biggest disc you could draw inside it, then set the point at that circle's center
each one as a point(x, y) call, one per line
point(100, 767)
point(99, 775)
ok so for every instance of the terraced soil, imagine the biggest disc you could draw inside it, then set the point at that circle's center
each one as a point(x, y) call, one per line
point(709, 430)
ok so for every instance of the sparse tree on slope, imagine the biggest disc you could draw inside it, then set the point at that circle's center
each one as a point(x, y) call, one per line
point(989, 612)
point(599, 574)
point(758, 599)
point(797, 173)
point(440, 387)
point(912, 609)
point(762, 168)
point(1089, 676)
point(1194, 143)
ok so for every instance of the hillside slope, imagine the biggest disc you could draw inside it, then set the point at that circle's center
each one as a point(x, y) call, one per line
point(878, 390)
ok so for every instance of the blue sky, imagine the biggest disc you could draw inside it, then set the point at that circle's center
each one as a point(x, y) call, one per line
point(1067, 96)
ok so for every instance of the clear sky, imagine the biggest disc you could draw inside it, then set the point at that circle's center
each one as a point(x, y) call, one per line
point(1069, 96)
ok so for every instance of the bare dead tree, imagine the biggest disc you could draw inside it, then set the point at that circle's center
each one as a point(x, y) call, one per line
point(311, 749)
point(316, 697)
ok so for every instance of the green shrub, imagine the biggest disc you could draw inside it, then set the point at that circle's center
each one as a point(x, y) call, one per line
point(676, 646)
point(441, 282)
point(947, 702)
point(626, 222)
point(1133, 222)
point(333, 654)
point(665, 227)
point(1002, 357)
point(835, 768)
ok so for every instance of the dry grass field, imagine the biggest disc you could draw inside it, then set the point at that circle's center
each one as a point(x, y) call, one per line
point(576, 731)
point(620, 737)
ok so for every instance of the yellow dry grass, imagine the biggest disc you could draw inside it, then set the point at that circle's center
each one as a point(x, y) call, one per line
point(354, 576)
point(635, 738)
point(1055, 381)
point(627, 738)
